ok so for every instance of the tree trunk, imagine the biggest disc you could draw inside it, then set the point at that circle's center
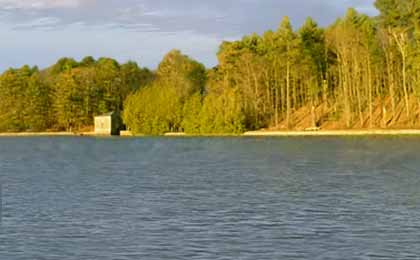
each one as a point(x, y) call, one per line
point(400, 39)
point(370, 93)
point(288, 94)
point(390, 82)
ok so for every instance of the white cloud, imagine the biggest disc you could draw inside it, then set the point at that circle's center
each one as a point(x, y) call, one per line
point(40, 4)
point(43, 22)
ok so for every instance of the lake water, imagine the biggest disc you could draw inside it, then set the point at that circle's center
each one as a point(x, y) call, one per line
point(210, 198)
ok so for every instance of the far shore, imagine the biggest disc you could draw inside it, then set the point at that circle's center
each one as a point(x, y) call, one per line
point(23, 134)
point(260, 133)
point(17, 134)
point(365, 132)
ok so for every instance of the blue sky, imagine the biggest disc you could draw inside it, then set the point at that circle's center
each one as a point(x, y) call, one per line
point(38, 32)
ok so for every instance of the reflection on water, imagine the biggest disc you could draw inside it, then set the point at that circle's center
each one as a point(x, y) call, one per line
point(210, 198)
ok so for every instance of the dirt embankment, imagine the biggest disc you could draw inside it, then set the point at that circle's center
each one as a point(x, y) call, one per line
point(328, 117)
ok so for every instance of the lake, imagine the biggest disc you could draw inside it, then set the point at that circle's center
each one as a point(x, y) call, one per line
point(210, 198)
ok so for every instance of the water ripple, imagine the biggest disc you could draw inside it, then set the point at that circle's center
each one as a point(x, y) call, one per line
point(210, 198)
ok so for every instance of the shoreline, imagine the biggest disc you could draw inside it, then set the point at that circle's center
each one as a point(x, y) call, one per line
point(46, 134)
point(369, 132)
point(258, 133)
point(24, 134)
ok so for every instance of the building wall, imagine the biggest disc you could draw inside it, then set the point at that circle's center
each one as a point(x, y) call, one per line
point(103, 125)
point(115, 124)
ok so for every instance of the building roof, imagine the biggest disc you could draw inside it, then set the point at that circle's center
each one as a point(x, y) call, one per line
point(106, 114)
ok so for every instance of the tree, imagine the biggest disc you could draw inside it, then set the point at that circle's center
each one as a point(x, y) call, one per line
point(288, 47)
point(191, 114)
point(398, 16)
point(24, 100)
point(313, 48)
point(159, 108)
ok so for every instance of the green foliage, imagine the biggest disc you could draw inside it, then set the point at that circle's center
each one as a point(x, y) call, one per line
point(313, 59)
point(191, 114)
point(87, 61)
point(24, 100)
point(222, 114)
point(67, 95)
point(93, 88)
point(64, 64)
point(398, 13)
point(182, 73)
point(159, 108)
point(71, 100)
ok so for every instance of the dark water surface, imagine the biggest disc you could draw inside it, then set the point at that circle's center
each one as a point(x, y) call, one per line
point(210, 198)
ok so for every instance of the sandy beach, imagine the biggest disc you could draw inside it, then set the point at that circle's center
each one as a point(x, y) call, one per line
point(377, 132)
point(23, 134)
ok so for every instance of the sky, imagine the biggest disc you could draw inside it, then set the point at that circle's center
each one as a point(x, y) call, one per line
point(38, 32)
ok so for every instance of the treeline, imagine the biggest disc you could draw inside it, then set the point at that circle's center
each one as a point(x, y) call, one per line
point(184, 98)
point(67, 95)
point(360, 72)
